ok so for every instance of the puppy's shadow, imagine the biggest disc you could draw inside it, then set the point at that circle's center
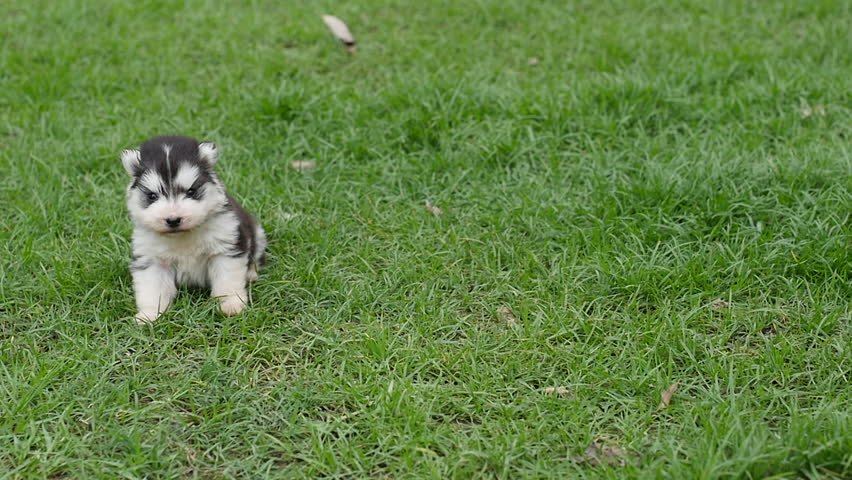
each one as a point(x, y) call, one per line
point(195, 298)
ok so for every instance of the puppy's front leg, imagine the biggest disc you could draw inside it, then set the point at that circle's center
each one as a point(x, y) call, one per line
point(228, 282)
point(154, 284)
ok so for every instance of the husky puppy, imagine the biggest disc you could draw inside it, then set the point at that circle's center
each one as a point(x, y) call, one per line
point(186, 229)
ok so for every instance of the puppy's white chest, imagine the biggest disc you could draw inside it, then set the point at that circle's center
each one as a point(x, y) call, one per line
point(189, 257)
point(192, 270)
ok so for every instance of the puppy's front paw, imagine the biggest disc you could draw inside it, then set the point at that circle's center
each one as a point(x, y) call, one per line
point(232, 305)
point(146, 318)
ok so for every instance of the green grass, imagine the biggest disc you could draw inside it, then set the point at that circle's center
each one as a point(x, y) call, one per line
point(662, 155)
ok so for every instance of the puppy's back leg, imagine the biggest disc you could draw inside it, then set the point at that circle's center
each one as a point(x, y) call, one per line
point(259, 253)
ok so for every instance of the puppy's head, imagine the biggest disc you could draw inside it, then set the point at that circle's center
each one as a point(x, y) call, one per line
point(174, 188)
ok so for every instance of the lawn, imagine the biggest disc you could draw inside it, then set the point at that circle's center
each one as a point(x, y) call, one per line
point(633, 194)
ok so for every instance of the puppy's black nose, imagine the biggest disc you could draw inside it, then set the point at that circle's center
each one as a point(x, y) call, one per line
point(173, 222)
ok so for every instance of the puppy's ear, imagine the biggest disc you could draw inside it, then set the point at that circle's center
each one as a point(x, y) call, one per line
point(209, 152)
point(132, 161)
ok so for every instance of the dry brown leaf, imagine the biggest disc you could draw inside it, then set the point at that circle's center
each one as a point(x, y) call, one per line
point(807, 110)
point(303, 165)
point(191, 455)
point(667, 396)
point(719, 304)
point(598, 453)
point(561, 391)
point(533, 61)
point(507, 315)
point(433, 209)
point(341, 31)
point(426, 450)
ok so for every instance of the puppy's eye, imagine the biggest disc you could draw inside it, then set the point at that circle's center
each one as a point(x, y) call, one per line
point(152, 196)
point(190, 192)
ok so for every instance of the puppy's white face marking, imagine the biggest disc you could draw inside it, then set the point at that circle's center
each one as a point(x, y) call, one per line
point(152, 181)
point(167, 149)
point(186, 176)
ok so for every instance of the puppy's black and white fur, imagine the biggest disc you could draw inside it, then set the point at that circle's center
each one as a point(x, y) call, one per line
point(187, 229)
